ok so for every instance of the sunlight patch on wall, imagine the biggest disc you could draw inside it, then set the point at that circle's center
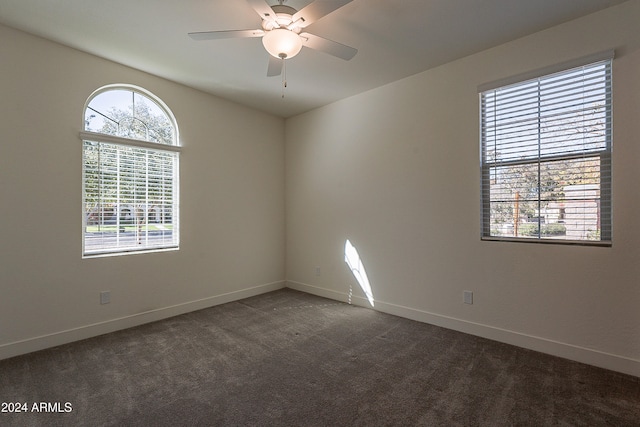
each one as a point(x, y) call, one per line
point(352, 258)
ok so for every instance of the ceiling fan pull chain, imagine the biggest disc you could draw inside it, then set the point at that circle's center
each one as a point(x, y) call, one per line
point(284, 75)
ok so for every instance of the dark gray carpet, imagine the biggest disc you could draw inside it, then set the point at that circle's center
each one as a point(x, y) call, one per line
point(290, 359)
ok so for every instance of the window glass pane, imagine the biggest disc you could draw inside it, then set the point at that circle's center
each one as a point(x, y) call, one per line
point(564, 113)
point(555, 199)
point(129, 198)
point(128, 114)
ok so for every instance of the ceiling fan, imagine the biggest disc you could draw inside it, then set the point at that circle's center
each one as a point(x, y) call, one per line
point(282, 34)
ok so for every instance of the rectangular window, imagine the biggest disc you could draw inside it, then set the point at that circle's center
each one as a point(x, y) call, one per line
point(546, 157)
point(130, 198)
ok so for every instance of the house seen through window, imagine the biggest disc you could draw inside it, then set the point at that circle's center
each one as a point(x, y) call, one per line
point(130, 173)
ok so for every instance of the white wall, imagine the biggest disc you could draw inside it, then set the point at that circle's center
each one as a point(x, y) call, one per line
point(396, 171)
point(232, 203)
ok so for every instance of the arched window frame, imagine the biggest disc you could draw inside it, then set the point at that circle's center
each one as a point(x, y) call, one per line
point(118, 236)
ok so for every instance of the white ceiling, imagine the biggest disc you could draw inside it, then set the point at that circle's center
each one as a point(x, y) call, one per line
point(394, 38)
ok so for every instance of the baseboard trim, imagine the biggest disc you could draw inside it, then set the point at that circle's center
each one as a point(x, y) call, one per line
point(589, 356)
point(88, 331)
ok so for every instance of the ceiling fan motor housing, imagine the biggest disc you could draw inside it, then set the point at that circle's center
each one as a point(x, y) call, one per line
point(283, 19)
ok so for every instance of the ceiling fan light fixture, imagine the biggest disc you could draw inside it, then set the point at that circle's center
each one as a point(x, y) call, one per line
point(282, 43)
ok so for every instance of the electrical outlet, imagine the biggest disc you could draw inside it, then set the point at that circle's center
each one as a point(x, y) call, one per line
point(317, 271)
point(467, 297)
point(105, 297)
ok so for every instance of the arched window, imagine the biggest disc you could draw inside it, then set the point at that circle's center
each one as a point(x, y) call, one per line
point(130, 173)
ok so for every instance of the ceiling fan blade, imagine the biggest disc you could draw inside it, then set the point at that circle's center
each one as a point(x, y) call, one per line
point(316, 10)
point(275, 66)
point(228, 34)
point(328, 46)
point(263, 9)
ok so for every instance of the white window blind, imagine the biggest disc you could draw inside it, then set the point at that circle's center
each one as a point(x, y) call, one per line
point(130, 186)
point(546, 157)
